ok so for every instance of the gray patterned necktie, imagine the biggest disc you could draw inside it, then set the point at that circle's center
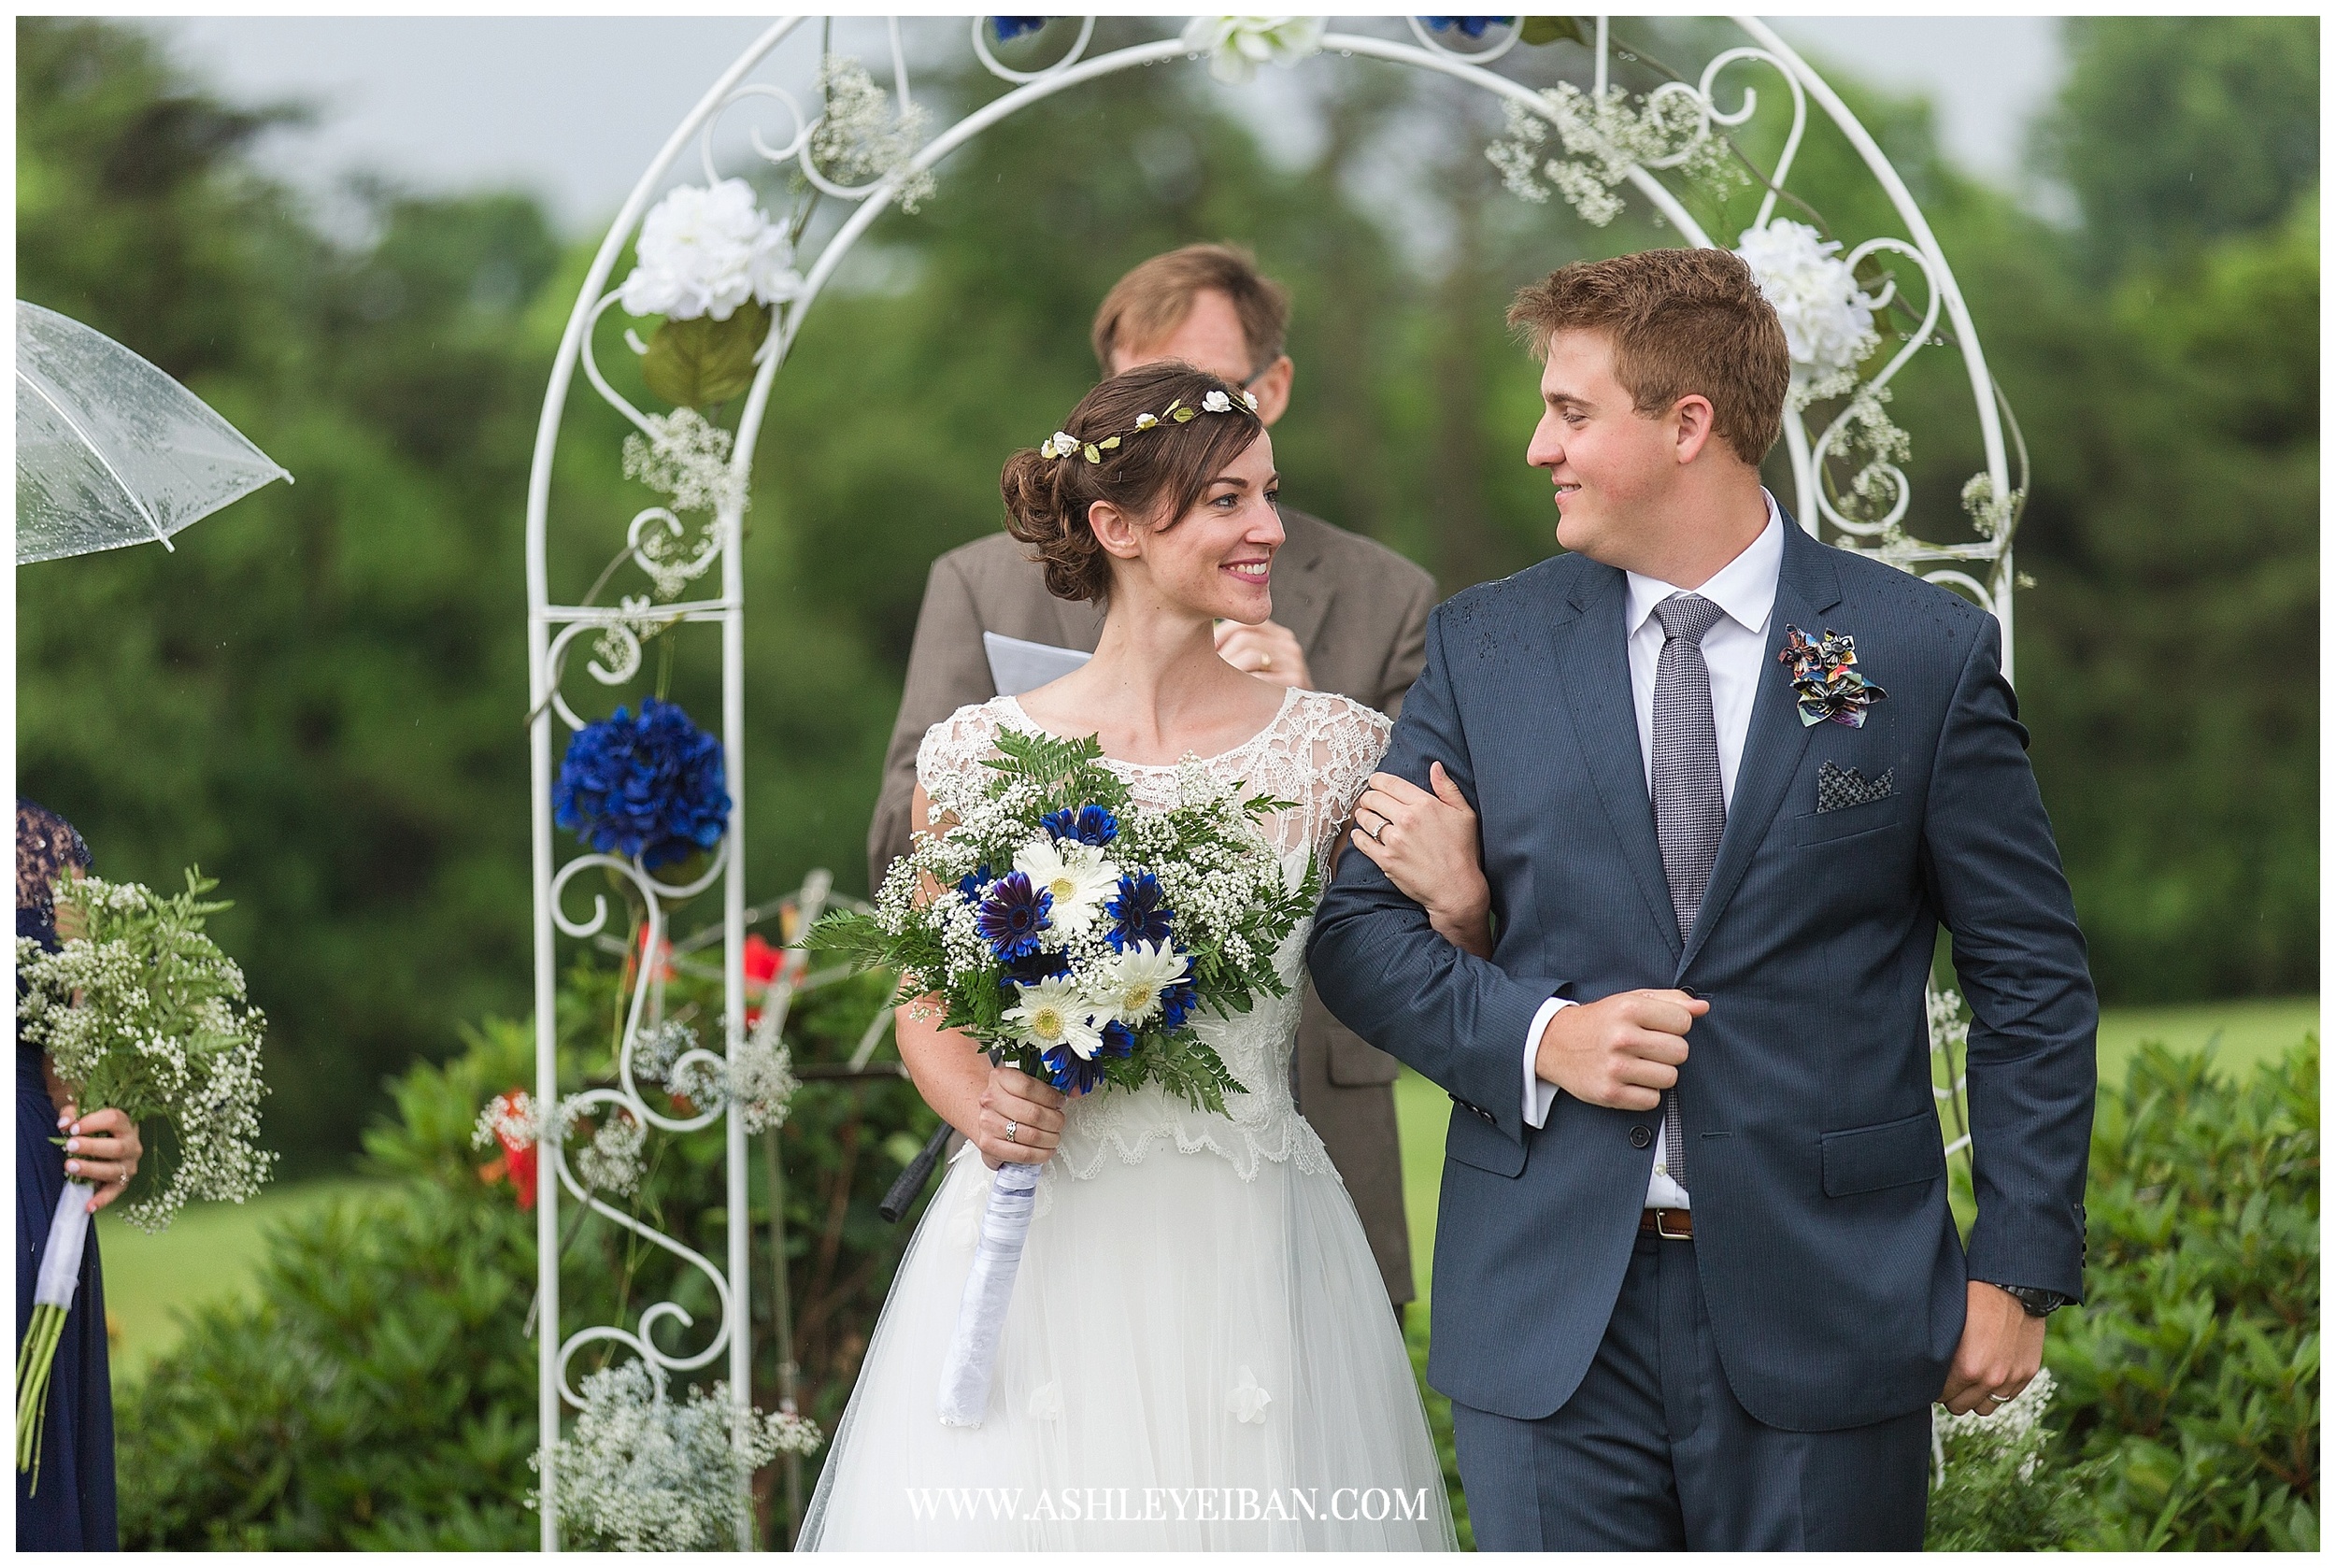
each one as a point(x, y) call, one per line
point(1690, 807)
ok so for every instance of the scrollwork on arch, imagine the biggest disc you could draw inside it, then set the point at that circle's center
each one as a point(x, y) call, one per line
point(879, 161)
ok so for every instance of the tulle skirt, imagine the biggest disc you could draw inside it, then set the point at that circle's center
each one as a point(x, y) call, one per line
point(1192, 1360)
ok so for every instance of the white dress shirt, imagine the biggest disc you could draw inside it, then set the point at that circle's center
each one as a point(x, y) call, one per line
point(1734, 651)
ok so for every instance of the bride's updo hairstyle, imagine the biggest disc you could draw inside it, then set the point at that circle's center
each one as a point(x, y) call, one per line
point(1158, 459)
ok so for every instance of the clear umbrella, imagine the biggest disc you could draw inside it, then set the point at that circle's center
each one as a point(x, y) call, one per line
point(111, 451)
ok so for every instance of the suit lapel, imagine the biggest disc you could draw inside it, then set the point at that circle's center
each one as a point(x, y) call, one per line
point(1594, 677)
point(1806, 588)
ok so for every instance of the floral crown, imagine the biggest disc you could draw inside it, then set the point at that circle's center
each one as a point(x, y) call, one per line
point(1063, 443)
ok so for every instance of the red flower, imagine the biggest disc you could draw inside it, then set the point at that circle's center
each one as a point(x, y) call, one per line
point(764, 964)
point(641, 952)
point(521, 1163)
point(519, 1155)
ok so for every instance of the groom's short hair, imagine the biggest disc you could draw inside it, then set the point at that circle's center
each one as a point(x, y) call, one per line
point(1681, 322)
point(1155, 297)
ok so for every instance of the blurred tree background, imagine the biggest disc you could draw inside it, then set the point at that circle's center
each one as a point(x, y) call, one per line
point(319, 696)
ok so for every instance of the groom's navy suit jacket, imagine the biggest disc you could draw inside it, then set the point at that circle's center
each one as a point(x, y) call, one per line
point(1830, 1266)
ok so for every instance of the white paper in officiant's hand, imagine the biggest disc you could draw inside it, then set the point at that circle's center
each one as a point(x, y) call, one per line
point(1018, 667)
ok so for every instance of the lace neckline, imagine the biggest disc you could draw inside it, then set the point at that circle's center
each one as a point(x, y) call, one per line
point(1022, 716)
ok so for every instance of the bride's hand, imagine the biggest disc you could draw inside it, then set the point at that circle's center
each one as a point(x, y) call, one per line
point(1427, 844)
point(1031, 1110)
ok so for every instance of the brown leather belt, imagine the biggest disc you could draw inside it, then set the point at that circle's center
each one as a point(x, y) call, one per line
point(1671, 1224)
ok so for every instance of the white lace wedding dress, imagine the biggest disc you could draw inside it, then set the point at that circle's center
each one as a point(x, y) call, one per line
point(1198, 1353)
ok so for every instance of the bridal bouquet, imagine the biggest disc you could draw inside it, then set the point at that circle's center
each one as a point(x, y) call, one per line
point(1074, 933)
point(142, 1013)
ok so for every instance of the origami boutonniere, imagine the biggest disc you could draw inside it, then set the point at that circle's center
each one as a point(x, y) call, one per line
point(1825, 680)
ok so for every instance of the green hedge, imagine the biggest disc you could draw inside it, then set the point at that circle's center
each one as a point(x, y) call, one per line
point(2189, 1407)
point(379, 1392)
point(378, 1395)
point(2192, 1370)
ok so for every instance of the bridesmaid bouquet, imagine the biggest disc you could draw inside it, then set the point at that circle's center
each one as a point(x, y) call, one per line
point(1074, 933)
point(142, 1013)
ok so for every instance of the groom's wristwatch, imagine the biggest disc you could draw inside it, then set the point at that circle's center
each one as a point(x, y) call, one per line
point(2034, 1301)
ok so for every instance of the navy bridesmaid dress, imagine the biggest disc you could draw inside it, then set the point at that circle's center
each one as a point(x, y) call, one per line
point(71, 1506)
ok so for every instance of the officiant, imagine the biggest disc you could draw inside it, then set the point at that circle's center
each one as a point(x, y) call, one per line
point(1349, 616)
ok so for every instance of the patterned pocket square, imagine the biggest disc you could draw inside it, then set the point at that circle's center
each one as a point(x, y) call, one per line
point(1839, 787)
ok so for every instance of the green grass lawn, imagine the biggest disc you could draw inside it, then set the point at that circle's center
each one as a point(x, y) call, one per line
point(2251, 1031)
point(210, 1252)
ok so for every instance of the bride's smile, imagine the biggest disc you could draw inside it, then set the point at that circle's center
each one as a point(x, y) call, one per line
point(1217, 560)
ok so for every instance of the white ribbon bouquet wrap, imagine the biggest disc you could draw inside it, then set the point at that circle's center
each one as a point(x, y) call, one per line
point(1071, 934)
point(973, 1353)
point(145, 1014)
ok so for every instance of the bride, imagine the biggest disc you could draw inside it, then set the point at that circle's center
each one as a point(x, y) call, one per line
point(1198, 1353)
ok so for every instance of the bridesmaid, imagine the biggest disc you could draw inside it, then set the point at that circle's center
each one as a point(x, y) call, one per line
point(72, 1507)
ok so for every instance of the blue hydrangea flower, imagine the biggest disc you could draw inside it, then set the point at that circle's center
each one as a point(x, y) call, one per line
point(650, 786)
point(1012, 916)
point(1090, 824)
point(1470, 26)
point(1139, 913)
point(1008, 27)
point(1076, 1075)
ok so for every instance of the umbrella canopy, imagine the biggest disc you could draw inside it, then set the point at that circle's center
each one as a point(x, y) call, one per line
point(109, 449)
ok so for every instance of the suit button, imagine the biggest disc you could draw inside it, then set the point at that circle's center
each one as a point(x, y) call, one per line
point(1640, 1135)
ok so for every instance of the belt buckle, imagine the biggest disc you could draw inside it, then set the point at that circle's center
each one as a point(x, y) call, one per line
point(1661, 1217)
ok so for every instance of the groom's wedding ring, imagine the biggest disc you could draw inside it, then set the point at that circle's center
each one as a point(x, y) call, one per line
point(1011, 1125)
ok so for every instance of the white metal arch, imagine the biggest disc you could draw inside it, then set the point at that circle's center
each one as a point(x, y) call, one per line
point(1982, 569)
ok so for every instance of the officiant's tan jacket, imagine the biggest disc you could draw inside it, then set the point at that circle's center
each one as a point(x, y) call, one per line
point(1360, 612)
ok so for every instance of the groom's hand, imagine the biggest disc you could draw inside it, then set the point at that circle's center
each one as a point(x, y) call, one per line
point(1621, 1051)
point(1998, 1354)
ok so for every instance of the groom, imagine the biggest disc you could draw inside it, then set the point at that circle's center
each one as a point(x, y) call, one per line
point(1696, 1281)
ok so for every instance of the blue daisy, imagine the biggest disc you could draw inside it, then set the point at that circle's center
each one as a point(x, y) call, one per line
point(1012, 916)
point(1076, 1075)
point(1139, 913)
point(1028, 970)
point(1176, 1000)
point(1090, 824)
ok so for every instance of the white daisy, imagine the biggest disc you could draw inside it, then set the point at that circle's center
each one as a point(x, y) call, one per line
point(1133, 979)
point(1052, 1013)
point(1078, 875)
